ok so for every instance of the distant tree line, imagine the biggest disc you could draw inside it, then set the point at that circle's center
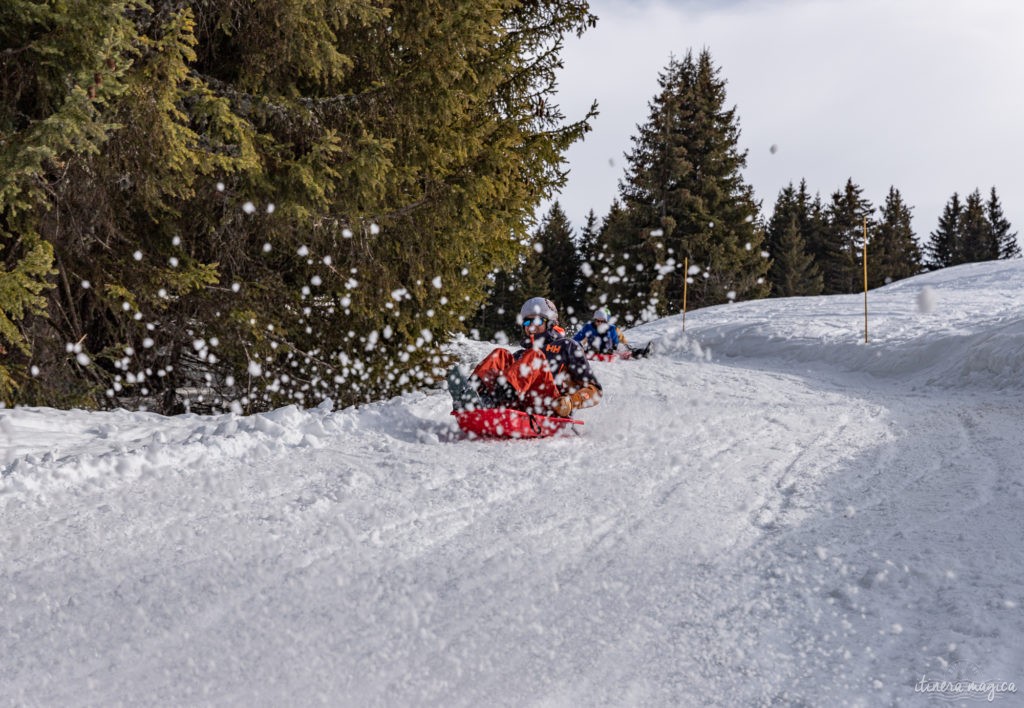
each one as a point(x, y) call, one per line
point(818, 248)
point(683, 202)
point(972, 231)
point(254, 203)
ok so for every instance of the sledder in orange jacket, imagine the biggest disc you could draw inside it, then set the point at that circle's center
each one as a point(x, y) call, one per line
point(549, 375)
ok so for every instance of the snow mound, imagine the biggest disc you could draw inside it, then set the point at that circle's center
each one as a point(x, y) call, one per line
point(105, 450)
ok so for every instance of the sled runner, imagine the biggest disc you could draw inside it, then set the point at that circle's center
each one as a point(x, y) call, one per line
point(612, 356)
point(510, 423)
point(623, 354)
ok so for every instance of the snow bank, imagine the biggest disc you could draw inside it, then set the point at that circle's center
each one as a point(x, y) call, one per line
point(960, 327)
point(44, 450)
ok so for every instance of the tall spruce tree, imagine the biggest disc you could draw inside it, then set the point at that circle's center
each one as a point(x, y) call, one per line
point(605, 274)
point(561, 258)
point(838, 252)
point(590, 261)
point(624, 283)
point(496, 318)
point(816, 229)
point(786, 209)
point(893, 253)
point(503, 300)
point(534, 280)
point(684, 197)
point(246, 176)
point(793, 270)
point(978, 241)
point(61, 67)
point(944, 248)
point(1001, 227)
point(552, 268)
point(612, 282)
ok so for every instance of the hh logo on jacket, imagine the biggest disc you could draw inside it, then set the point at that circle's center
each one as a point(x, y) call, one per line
point(553, 348)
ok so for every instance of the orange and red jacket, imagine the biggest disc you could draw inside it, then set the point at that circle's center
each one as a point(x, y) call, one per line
point(566, 359)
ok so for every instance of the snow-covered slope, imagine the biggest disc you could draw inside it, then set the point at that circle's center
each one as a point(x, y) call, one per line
point(769, 511)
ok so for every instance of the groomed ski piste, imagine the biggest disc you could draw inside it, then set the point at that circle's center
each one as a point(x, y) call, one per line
point(767, 512)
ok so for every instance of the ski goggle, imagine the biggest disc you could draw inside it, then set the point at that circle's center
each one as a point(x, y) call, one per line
point(534, 321)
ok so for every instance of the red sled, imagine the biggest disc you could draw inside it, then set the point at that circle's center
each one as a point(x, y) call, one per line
point(510, 423)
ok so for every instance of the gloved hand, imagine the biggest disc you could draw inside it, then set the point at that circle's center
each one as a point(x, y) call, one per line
point(562, 406)
point(584, 397)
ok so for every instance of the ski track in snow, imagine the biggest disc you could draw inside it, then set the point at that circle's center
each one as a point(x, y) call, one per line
point(765, 513)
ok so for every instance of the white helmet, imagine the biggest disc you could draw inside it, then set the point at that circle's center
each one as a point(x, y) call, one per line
point(540, 307)
point(600, 314)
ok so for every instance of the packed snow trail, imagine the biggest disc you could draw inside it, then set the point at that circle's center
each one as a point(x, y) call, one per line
point(741, 523)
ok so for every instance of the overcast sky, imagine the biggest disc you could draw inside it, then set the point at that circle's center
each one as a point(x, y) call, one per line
point(923, 95)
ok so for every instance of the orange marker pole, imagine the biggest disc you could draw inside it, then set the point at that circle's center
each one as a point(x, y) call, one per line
point(865, 280)
point(686, 279)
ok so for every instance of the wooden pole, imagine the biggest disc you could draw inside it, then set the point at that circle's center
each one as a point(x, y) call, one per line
point(865, 280)
point(686, 279)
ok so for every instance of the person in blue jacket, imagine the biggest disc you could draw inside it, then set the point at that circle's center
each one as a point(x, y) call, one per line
point(600, 336)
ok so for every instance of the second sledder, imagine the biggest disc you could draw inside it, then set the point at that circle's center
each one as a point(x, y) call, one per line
point(600, 339)
point(549, 375)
